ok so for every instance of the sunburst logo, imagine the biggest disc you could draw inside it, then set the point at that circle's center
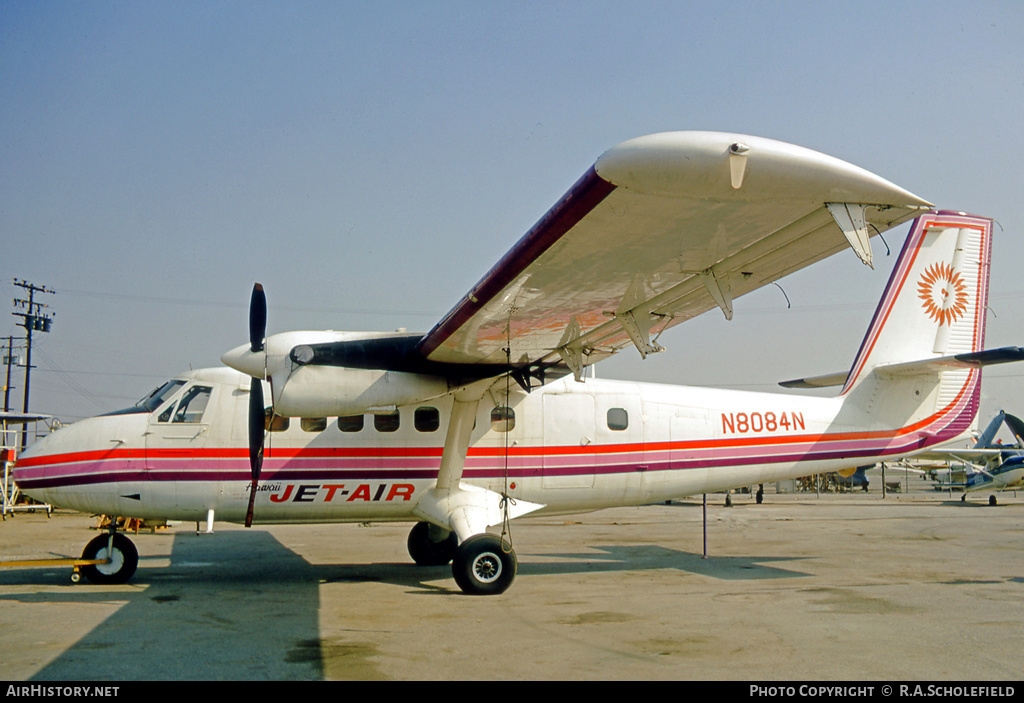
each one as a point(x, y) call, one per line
point(944, 294)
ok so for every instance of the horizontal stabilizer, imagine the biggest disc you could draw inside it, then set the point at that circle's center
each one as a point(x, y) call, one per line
point(973, 360)
point(832, 379)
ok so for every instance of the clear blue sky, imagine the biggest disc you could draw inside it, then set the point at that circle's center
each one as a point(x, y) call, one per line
point(368, 162)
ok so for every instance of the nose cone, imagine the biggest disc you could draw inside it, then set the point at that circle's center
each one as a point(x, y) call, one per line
point(37, 448)
point(243, 359)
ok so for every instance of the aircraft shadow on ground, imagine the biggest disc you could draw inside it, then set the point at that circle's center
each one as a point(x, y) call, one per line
point(644, 557)
point(249, 614)
point(245, 607)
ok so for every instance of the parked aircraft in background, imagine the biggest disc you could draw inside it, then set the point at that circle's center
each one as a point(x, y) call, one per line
point(988, 465)
point(486, 417)
point(856, 478)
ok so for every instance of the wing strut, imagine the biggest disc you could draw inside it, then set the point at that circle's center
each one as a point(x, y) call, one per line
point(456, 443)
point(463, 508)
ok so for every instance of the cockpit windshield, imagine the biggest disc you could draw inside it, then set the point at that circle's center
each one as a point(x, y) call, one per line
point(159, 394)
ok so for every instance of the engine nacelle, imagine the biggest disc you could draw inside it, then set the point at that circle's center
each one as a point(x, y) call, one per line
point(327, 391)
point(328, 373)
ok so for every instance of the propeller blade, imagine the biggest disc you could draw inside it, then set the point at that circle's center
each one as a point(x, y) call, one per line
point(257, 318)
point(256, 435)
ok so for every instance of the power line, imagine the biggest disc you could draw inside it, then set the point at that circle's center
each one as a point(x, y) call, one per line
point(191, 302)
point(74, 385)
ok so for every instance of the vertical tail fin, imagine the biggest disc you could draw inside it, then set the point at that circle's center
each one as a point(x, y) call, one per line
point(916, 380)
point(918, 368)
point(934, 304)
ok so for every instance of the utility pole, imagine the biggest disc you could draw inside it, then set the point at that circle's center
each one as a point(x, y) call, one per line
point(33, 320)
point(9, 359)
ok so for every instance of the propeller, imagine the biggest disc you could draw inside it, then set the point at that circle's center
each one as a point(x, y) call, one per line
point(257, 318)
point(257, 429)
point(256, 434)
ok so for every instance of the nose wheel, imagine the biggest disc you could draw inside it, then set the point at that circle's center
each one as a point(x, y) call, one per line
point(117, 555)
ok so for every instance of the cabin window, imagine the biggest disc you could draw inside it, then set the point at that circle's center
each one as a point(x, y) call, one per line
point(192, 404)
point(386, 422)
point(313, 424)
point(274, 423)
point(427, 419)
point(503, 419)
point(350, 423)
point(618, 419)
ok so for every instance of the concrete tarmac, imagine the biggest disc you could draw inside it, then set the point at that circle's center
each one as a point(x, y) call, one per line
point(914, 586)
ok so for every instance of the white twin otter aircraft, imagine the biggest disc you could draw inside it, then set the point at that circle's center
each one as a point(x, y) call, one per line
point(487, 417)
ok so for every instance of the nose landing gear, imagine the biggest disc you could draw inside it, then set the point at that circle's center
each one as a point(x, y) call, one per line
point(113, 559)
point(107, 559)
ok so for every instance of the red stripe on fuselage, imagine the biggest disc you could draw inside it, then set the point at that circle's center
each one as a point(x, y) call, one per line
point(78, 468)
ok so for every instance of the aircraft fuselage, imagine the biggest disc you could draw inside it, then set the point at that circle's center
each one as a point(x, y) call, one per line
point(569, 446)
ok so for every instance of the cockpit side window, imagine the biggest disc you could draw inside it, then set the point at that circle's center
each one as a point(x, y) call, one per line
point(191, 406)
point(159, 394)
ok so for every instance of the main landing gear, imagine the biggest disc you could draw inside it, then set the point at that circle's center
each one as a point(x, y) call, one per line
point(482, 565)
point(991, 499)
point(430, 545)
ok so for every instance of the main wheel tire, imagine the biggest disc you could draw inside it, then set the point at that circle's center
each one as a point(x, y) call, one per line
point(425, 551)
point(484, 565)
point(124, 558)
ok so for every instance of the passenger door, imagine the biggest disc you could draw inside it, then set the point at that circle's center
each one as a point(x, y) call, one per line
point(569, 436)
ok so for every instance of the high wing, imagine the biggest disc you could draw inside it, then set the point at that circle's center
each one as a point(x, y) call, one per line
point(659, 230)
